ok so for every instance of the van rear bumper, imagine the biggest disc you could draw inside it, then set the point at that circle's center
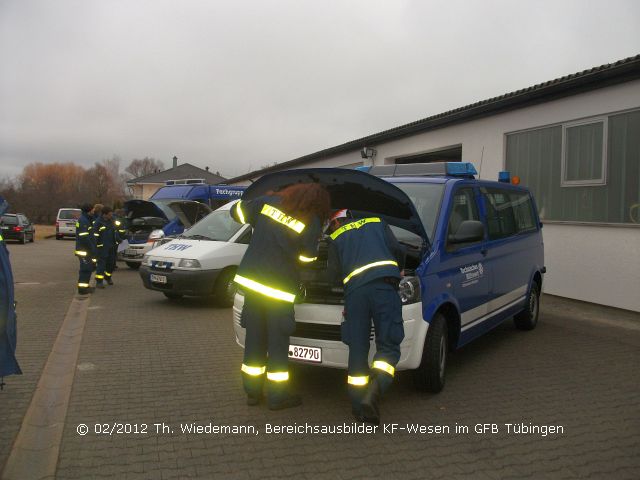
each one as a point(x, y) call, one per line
point(181, 282)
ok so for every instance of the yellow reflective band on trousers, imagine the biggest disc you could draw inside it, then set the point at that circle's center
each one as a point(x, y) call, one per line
point(278, 376)
point(385, 367)
point(353, 225)
point(240, 212)
point(281, 217)
point(101, 228)
point(100, 277)
point(367, 267)
point(83, 285)
point(83, 234)
point(81, 253)
point(77, 224)
point(253, 371)
point(107, 274)
point(358, 381)
point(1, 239)
point(117, 222)
point(100, 245)
point(264, 290)
point(302, 258)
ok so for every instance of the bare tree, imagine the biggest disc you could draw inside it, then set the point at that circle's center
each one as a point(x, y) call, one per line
point(145, 166)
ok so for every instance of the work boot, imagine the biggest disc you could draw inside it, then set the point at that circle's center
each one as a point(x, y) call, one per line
point(85, 290)
point(109, 281)
point(100, 285)
point(289, 401)
point(253, 400)
point(371, 403)
point(357, 413)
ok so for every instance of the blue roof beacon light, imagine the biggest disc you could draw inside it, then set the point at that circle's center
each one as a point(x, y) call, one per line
point(504, 177)
point(461, 168)
point(363, 168)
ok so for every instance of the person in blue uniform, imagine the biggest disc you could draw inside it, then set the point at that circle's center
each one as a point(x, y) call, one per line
point(366, 258)
point(287, 226)
point(105, 234)
point(8, 326)
point(85, 249)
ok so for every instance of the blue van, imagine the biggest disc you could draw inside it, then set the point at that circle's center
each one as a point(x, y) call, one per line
point(475, 257)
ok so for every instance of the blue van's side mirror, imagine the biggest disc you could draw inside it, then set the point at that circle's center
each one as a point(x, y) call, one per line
point(469, 231)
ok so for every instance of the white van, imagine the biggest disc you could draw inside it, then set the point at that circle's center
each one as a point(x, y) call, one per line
point(66, 222)
point(201, 262)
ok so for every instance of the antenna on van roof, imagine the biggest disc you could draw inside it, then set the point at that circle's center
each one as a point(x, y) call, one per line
point(480, 169)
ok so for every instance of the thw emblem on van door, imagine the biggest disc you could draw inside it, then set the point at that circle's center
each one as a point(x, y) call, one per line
point(472, 273)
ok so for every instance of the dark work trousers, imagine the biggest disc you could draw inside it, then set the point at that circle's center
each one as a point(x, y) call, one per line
point(105, 266)
point(84, 275)
point(268, 323)
point(379, 301)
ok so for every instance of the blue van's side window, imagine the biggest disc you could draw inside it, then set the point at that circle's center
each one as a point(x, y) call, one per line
point(464, 207)
point(509, 212)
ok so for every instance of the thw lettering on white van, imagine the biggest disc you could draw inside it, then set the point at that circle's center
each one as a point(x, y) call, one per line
point(177, 246)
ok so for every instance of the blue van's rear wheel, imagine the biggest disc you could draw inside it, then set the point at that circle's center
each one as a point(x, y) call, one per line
point(527, 319)
point(430, 375)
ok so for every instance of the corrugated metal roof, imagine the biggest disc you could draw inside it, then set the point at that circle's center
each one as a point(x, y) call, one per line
point(591, 79)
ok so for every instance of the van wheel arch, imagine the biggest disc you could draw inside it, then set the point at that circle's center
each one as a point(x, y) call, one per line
point(223, 292)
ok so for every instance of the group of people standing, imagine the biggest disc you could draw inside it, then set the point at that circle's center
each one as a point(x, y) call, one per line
point(98, 234)
point(366, 260)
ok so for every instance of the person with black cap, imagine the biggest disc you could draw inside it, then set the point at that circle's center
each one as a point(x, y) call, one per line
point(85, 249)
point(366, 258)
point(8, 326)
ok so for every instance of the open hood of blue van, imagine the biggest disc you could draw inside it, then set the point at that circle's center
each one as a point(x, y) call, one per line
point(358, 191)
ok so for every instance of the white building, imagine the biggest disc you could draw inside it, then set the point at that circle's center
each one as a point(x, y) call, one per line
point(574, 141)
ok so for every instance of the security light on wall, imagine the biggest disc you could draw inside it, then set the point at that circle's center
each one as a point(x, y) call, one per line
point(367, 152)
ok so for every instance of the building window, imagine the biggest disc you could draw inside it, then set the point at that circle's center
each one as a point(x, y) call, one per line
point(584, 153)
point(598, 159)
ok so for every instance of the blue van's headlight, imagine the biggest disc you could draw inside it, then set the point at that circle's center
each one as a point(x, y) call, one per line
point(409, 290)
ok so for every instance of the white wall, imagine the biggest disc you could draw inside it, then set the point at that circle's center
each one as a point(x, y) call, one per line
point(594, 264)
point(598, 264)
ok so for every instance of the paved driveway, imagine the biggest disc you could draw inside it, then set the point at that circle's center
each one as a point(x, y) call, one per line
point(157, 366)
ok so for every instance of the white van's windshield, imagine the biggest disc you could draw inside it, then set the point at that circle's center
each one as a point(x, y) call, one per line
point(217, 225)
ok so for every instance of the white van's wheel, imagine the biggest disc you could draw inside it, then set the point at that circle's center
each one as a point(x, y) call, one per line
point(225, 288)
point(527, 319)
point(430, 375)
point(173, 296)
point(133, 265)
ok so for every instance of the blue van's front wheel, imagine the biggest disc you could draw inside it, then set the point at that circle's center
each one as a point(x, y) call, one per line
point(527, 319)
point(430, 375)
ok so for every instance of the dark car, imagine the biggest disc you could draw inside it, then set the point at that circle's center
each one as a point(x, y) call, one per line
point(16, 226)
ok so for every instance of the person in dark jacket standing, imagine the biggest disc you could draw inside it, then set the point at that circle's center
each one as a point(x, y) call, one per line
point(8, 326)
point(85, 249)
point(105, 232)
point(367, 260)
point(287, 227)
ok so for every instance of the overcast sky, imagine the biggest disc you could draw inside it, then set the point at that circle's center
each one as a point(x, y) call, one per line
point(235, 85)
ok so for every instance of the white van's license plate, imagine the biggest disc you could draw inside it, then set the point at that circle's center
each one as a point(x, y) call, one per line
point(308, 354)
point(158, 278)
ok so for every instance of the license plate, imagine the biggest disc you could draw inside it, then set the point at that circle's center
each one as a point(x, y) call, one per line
point(130, 252)
point(308, 354)
point(5, 228)
point(158, 278)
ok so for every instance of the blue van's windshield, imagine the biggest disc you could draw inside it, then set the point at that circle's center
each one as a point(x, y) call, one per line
point(217, 225)
point(173, 192)
point(426, 197)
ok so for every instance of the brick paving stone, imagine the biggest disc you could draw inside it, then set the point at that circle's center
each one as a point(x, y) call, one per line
point(151, 360)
